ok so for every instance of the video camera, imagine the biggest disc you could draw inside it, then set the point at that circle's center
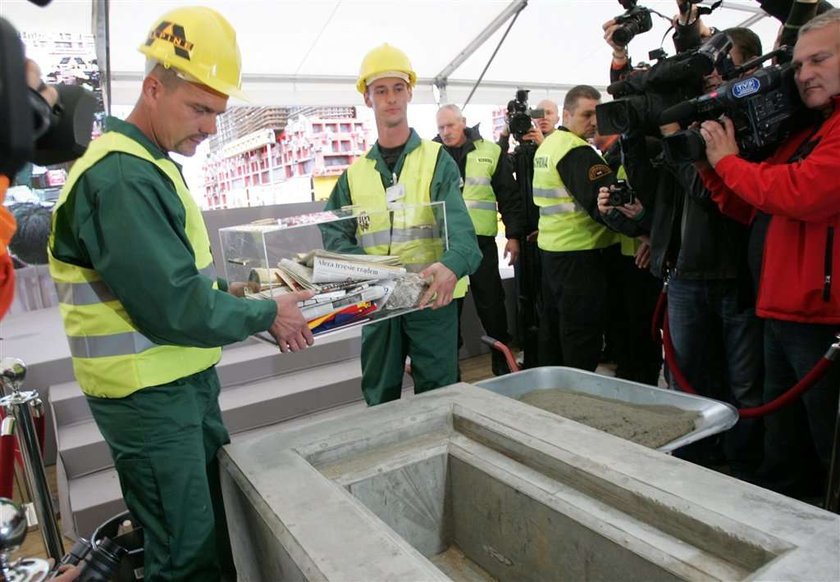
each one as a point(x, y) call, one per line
point(519, 116)
point(95, 564)
point(31, 130)
point(645, 94)
point(762, 107)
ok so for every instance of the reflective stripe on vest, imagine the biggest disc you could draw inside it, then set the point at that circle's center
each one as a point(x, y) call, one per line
point(111, 358)
point(563, 225)
point(98, 291)
point(478, 192)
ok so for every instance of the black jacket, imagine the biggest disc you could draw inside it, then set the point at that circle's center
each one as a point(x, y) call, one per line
point(508, 198)
point(688, 234)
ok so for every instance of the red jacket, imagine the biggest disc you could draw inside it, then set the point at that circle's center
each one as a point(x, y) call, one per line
point(802, 249)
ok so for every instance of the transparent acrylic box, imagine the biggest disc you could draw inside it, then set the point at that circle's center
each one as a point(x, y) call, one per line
point(261, 252)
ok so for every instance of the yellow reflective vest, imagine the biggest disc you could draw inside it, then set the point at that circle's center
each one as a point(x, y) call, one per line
point(408, 229)
point(111, 358)
point(563, 224)
point(479, 197)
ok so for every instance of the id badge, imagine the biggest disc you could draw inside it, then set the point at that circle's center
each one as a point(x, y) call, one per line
point(395, 193)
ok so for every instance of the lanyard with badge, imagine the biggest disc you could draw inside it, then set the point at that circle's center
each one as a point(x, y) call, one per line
point(395, 192)
point(394, 195)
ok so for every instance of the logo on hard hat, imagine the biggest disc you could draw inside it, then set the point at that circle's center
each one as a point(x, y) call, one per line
point(173, 34)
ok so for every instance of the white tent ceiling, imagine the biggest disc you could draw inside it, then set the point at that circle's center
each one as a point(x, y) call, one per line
point(308, 52)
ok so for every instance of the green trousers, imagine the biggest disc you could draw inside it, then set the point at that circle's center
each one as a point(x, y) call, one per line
point(164, 441)
point(429, 337)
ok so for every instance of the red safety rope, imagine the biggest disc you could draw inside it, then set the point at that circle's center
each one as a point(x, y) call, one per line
point(7, 458)
point(788, 397)
point(10, 450)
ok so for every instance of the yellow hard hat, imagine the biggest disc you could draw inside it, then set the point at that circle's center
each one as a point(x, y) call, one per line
point(385, 61)
point(200, 43)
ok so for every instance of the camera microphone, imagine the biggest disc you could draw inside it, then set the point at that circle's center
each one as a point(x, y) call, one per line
point(680, 111)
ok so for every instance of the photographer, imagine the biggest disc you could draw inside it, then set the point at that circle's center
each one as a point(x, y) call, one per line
point(713, 328)
point(689, 29)
point(542, 126)
point(633, 290)
point(793, 202)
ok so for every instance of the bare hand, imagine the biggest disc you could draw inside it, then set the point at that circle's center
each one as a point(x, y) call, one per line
point(66, 573)
point(238, 288)
point(631, 210)
point(720, 140)
point(512, 251)
point(534, 135)
point(33, 79)
point(441, 287)
point(609, 27)
point(290, 329)
point(643, 256)
point(669, 129)
point(604, 200)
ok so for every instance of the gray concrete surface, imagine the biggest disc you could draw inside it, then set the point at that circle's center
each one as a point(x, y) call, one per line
point(512, 492)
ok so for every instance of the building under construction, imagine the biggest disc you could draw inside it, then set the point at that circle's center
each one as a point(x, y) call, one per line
point(276, 155)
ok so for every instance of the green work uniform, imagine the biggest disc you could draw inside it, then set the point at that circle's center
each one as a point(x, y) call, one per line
point(124, 220)
point(429, 337)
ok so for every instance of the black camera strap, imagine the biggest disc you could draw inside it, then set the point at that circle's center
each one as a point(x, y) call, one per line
point(807, 146)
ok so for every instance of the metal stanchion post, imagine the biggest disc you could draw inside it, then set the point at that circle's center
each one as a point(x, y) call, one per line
point(12, 532)
point(20, 404)
point(832, 493)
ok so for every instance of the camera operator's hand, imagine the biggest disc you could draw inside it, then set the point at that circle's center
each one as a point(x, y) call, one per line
point(604, 200)
point(609, 27)
point(631, 210)
point(534, 135)
point(720, 139)
point(65, 573)
point(669, 129)
point(512, 251)
point(34, 81)
point(619, 52)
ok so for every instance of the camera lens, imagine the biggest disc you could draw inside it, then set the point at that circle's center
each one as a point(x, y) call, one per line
point(102, 562)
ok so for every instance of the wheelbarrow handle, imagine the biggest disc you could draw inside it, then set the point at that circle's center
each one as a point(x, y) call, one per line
point(501, 347)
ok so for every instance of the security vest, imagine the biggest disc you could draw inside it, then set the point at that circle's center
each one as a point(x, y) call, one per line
point(409, 228)
point(111, 358)
point(478, 191)
point(563, 225)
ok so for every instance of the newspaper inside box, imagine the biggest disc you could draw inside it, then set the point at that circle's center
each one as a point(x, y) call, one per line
point(325, 252)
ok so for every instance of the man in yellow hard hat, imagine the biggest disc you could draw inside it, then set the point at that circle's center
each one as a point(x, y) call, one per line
point(402, 171)
point(142, 307)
